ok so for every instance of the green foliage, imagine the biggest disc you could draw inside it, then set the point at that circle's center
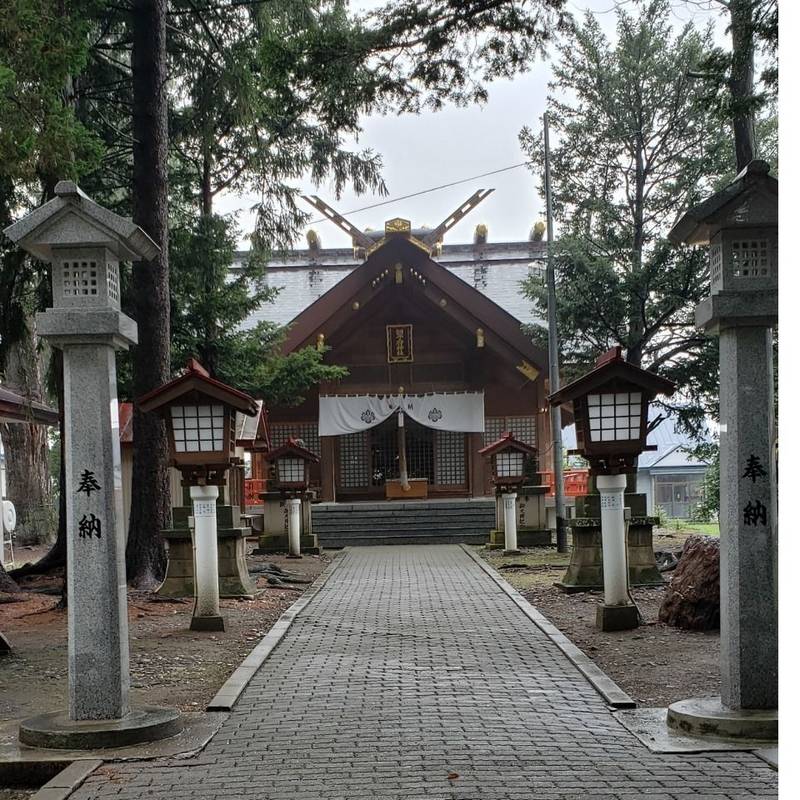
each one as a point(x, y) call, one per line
point(209, 306)
point(707, 510)
point(634, 147)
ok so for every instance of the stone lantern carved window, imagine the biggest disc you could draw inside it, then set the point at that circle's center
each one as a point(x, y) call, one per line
point(615, 416)
point(750, 259)
point(716, 265)
point(113, 281)
point(79, 278)
point(198, 429)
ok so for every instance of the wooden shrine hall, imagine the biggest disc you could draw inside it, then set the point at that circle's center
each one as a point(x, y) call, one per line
point(436, 371)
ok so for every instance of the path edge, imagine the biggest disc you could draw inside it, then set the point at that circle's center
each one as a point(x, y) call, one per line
point(607, 688)
point(228, 695)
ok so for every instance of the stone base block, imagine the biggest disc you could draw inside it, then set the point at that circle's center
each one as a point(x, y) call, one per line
point(279, 543)
point(57, 731)
point(617, 618)
point(234, 579)
point(215, 623)
point(707, 717)
point(585, 570)
point(526, 537)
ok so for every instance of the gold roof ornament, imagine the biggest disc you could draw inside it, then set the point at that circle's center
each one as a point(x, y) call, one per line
point(481, 234)
point(537, 231)
point(397, 225)
point(313, 239)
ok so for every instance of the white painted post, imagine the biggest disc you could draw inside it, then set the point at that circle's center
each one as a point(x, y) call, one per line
point(612, 524)
point(510, 521)
point(206, 616)
point(294, 527)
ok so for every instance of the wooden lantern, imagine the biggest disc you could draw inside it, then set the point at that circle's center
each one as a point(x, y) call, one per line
point(292, 466)
point(610, 405)
point(510, 460)
point(201, 419)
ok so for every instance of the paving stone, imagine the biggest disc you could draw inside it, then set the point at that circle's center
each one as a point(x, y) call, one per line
point(407, 666)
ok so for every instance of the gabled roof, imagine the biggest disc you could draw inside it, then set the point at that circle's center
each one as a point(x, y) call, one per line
point(611, 365)
point(507, 442)
point(462, 299)
point(16, 408)
point(73, 218)
point(292, 448)
point(197, 379)
point(696, 224)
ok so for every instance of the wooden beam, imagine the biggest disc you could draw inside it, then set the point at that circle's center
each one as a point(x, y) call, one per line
point(336, 218)
point(440, 230)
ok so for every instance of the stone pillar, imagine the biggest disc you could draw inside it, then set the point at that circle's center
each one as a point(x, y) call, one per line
point(617, 612)
point(206, 616)
point(748, 522)
point(294, 527)
point(99, 677)
point(510, 521)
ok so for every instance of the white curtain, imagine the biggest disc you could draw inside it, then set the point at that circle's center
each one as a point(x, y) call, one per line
point(444, 411)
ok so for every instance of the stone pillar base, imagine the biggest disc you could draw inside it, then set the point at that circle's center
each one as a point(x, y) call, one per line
point(210, 623)
point(706, 717)
point(270, 543)
point(617, 618)
point(58, 731)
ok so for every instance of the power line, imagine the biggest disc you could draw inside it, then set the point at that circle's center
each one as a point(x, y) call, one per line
point(425, 191)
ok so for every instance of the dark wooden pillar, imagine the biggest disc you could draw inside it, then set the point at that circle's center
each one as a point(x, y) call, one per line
point(327, 446)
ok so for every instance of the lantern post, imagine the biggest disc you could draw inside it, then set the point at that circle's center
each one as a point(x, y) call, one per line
point(610, 405)
point(739, 225)
point(84, 244)
point(201, 422)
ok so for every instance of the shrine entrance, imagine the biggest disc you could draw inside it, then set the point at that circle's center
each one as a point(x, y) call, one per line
point(368, 459)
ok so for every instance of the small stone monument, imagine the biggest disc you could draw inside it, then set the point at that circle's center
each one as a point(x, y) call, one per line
point(739, 224)
point(84, 243)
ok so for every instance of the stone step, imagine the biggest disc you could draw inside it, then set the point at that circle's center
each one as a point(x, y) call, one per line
point(370, 541)
point(321, 523)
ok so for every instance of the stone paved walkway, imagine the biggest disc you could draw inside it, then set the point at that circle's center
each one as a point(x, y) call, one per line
point(409, 665)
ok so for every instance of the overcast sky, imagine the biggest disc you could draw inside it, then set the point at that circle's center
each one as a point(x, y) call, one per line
point(427, 150)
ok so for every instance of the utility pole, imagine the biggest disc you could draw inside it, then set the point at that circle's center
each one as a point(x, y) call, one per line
point(552, 348)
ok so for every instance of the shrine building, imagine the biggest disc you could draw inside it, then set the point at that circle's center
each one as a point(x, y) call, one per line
point(437, 369)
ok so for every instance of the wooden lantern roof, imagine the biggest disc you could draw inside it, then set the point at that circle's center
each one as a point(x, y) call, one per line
point(609, 367)
point(292, 448)
point(252, 432)
point(16, 408)
point(197, 380)
point(507, 442)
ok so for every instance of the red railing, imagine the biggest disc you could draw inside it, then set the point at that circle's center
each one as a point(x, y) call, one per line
point(576, 482)
point(252, 488)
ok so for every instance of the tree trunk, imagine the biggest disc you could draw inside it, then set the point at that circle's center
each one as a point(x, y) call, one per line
point(741, 81)
point(27, 453)
point(150, 496)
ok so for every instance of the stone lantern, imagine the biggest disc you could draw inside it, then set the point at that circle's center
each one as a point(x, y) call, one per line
point(610, 405)
point(739, 224)
point(287, 504)
point(201, 421)
point(84, 243)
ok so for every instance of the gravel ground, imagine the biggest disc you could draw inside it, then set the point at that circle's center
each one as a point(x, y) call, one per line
point(655, 664)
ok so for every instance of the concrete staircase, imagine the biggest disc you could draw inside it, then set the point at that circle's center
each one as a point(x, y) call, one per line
point(410, 522)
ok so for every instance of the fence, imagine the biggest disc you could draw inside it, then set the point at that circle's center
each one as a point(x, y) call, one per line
point(576, 482)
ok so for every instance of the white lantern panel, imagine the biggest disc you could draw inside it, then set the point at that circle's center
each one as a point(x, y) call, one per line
point(198, 429)
point(291, 470)
point(617, 419)
point(509, 464)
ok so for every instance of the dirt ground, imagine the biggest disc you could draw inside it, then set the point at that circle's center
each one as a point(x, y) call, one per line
point(170, 665)
point(654, 664)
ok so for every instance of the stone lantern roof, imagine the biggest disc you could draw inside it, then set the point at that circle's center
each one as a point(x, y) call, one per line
point(751, 199)
point(507, 442)
point(72, 219)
